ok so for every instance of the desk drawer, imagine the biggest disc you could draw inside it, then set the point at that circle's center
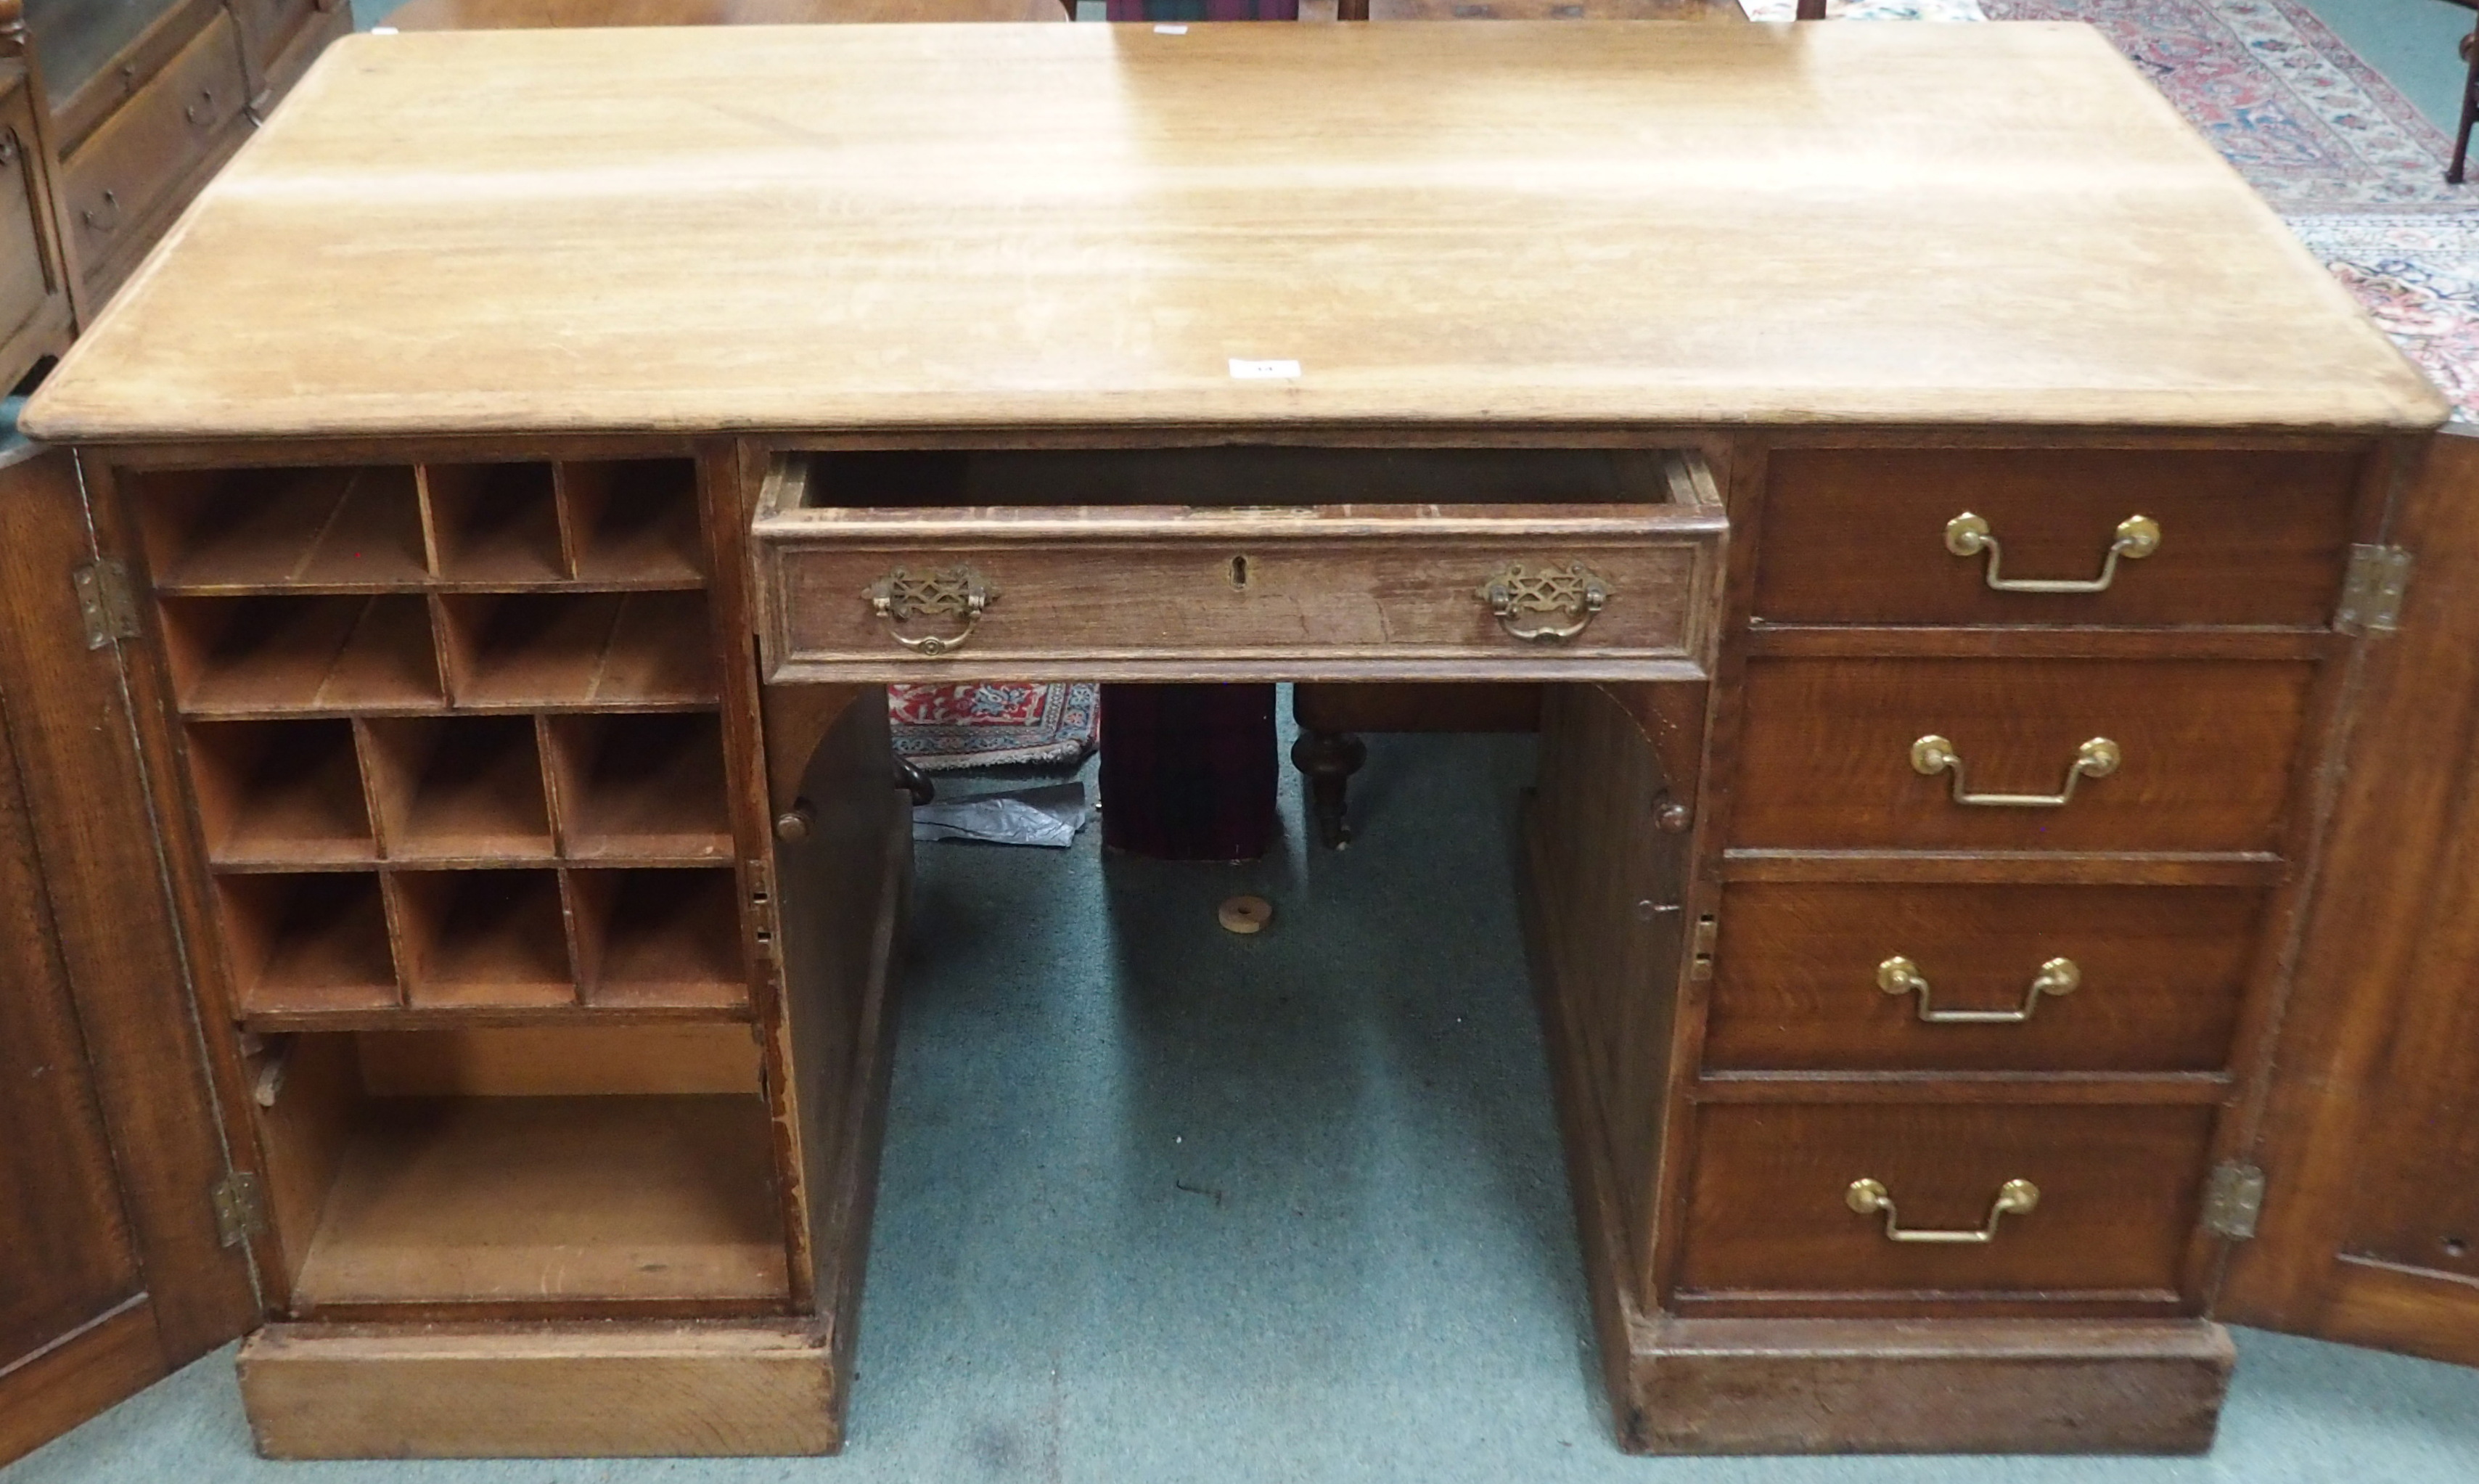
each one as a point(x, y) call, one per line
point(2136, 979)
point(125, 178)
point(2117, 1197)
point(1860, 536)
point(1131, 592)
point(1834, 752)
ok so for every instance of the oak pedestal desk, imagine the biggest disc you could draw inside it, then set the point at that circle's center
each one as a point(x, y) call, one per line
point(1947, 499)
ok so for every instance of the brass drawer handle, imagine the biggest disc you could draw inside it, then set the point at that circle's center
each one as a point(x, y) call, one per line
point(900, 597)
point(1870, 1197)
point(1933, 755)
point(111, 205)
point(1899, 975)
point(2139, 536)
point(1575, 590)
point(198, 115)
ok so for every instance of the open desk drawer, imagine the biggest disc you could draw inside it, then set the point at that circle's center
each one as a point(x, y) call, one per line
point(1594, 566)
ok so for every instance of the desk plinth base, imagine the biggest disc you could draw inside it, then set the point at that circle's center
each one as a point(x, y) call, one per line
point(598, 1390)
point(1724, 1386)
point(1878, 1385)
point(1919, 1386)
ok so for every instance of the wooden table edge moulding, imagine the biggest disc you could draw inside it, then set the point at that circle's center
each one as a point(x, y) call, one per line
point(525, 464)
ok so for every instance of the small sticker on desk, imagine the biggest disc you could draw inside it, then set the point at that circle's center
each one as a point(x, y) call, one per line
point(1265, 371)
point(1170, 30)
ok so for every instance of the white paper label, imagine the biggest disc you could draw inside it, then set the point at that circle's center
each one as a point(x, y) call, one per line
point(1265, 371)
point(1170, 30)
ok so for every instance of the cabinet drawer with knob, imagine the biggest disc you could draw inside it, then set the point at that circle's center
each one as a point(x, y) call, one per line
point(1820, 976)
point(2001, 536)
point(2019, 755)
point(1563, 590)
point(1851, 1203)
point(127, 177)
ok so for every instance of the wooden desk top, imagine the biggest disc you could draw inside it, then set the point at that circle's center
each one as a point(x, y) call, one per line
point(1562, 222)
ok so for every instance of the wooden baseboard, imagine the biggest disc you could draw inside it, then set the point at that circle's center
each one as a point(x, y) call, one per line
point(1858, 1386)
point(1928, 1385)
point(607, 1390)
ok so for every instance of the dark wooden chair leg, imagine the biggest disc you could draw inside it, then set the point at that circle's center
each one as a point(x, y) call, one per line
point(1328, 760)
point(2470, 108)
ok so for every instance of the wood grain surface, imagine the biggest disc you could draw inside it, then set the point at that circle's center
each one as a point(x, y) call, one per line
point(2208, 748)
point(1322, 591)
point(2118, 1193)
point(2247, 536)
point(2371, 1214)
point(607, 1390)
point(2163, 968)
point(470, 1200)
point(721, 228)
point(1947, 1385)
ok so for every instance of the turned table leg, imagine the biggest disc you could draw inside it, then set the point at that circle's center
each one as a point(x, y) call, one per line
point(1328, 760)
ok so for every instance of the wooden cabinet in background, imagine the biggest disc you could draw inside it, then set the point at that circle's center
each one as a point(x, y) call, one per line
point(35, 316)
point(280, 38)
point(125, 181)
point(132, 106)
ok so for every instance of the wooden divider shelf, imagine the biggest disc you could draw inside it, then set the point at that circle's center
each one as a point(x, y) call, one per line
point(658, 939)
point(494, 522)
point(642, 788)
point(478, 939)
point(269, 656)
point(525, 1200)
point(633, 522)
point(579, 649)
point(457, 788)
point(279, 793)
point(307, 942)
point(222, 529)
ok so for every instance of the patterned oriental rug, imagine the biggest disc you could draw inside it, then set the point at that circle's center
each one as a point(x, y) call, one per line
point(2356, 170)
point(994, 723)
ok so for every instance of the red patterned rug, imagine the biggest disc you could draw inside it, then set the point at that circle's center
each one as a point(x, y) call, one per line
point(994, 723)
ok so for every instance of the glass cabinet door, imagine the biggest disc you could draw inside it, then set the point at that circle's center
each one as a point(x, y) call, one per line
point(75, 40)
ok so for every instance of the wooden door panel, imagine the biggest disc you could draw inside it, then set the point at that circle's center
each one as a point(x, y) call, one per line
point(2370, 1135)
point(70, 1256)
point(2420, 1194)
point(135, 1278)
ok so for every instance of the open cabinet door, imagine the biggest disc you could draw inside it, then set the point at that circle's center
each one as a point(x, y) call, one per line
point(112, 1267)
point(2369, 1231)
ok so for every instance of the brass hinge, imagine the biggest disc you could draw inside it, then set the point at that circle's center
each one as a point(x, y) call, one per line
point(240, 1207)
point(105, 601)
point(2233, 1200)
point(1708, 937)
point(2371, 595)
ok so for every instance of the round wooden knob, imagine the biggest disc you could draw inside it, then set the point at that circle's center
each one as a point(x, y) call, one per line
point(1670, 816)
